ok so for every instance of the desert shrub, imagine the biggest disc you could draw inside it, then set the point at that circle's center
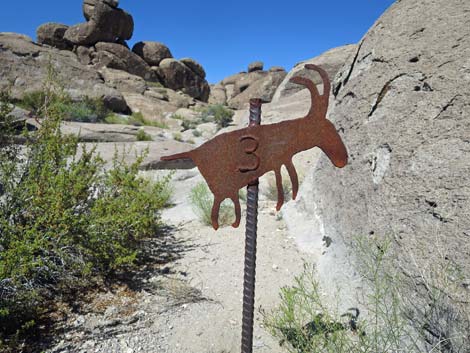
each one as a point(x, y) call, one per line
point(189, 124)
point(217, 113)
point(85, 110)
point(202, 200)
point(6, 120)
point(143, 136)
point(65, 219)
point(177, 117)
point(197, 133)
point(177, 137)
point(116, 119)
point(304, 323)
point(136, 119)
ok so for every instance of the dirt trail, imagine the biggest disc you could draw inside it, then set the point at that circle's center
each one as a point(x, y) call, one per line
point(215, 268)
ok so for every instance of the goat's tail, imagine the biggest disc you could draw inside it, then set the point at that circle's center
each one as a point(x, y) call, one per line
point(176, 156)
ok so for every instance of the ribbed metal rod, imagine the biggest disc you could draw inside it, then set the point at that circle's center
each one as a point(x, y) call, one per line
point(250, 247)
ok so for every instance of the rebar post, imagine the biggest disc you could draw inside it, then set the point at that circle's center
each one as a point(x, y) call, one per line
point(250, 246)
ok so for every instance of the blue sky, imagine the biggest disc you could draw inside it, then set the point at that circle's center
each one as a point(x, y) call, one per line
point(223, 36)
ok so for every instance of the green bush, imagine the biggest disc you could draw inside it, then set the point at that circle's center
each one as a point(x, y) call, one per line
point(218, 113)
point(85, 110)
point(177, 137)
point(64, 218)
point(202, 200)
point(6, 120)
point(395, 320)
point(143, 136)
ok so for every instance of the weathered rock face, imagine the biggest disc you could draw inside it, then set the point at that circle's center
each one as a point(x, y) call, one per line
point(402, 106)
point(263, 87)
point(23, 65)
point(53, 34)
point(331, 61)
point(236, 90)
point(117, 56)
point(178, 76)
point(194, 66)
point(123, 81)
point(218, 94)
point(106, 24)
point(152, 52)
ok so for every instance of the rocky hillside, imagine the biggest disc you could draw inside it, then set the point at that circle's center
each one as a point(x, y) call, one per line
point(401, 105)
point(93, 60)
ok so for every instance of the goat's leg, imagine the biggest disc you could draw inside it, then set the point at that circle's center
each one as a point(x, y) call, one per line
point(215, 212)
point(293, 178)
point(238, 212)
point(280, 190)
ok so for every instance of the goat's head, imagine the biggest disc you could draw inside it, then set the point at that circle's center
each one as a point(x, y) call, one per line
point(328, 139)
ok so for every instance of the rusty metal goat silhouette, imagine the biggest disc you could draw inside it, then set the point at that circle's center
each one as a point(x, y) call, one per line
point(232, 160)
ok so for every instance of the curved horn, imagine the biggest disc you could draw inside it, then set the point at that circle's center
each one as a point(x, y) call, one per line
point(324, 77)
point(319, 104)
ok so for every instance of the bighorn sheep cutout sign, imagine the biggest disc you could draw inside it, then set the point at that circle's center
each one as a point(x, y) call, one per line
point(237, 159)
point(232, 160)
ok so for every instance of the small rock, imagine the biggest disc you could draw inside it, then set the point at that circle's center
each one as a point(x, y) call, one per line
point(255, 66)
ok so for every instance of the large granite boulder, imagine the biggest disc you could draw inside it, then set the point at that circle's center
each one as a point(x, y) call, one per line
point(123, 81)
point(402, 108)
point(106, 24)
point(89, 6)
point(24, 68)
point(152, 52)
point(53, 34)
point(117, 56)
point(194, 66)
point(178, 76)
point(331, 61)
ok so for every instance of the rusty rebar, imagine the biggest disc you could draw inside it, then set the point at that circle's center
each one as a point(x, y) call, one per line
point(250, 246)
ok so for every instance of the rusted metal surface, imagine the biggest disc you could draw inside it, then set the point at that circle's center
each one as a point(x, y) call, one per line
point(250, 247)
point(233, 160)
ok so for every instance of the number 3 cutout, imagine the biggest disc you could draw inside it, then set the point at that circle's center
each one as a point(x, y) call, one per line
point(250, 151)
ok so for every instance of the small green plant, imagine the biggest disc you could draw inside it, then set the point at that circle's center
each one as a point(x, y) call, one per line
point(177, 117)
point(143, 136)
point(85, 110)
point(306, 324)
point(6, 120)
point(218, 113)
point(197, 133)
point(136, 119)
point(116, 119)
point(189, 124)
point(155, 84)
point(202, 199)
point(178, 137)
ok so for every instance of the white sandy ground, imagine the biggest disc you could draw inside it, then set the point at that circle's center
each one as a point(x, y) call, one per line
point(194, 305)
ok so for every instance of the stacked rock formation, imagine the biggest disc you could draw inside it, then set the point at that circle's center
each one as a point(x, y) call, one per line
point(101, 42)
point(236, 90)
